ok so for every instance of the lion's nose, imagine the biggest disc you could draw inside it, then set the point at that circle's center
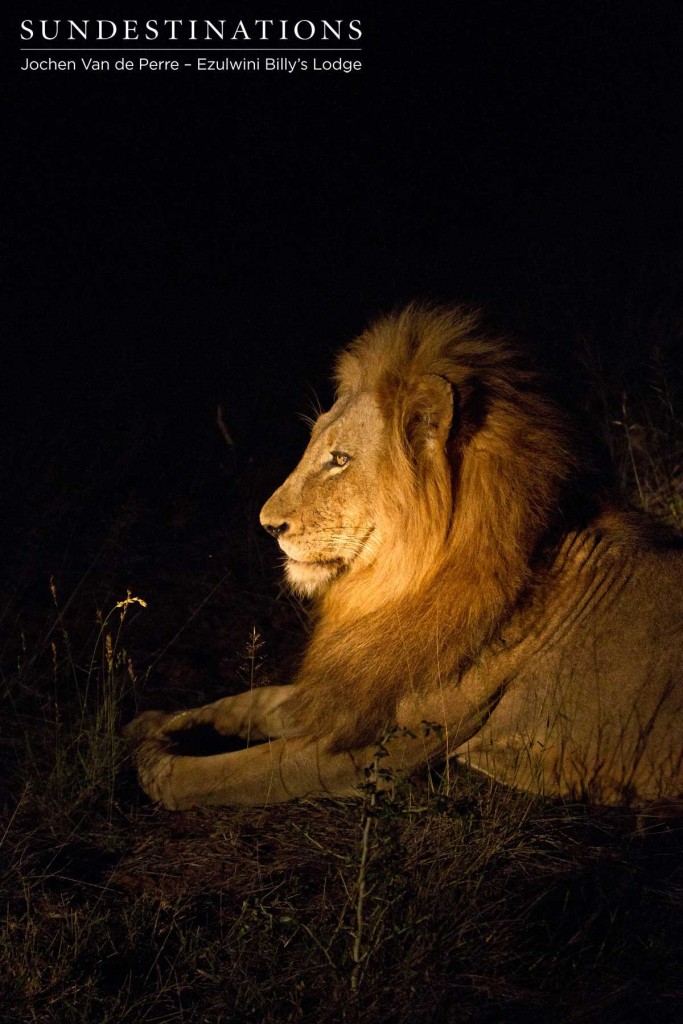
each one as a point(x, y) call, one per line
point(276, 531)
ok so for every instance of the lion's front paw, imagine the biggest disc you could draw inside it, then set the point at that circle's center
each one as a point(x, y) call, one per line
point(149, 723)
point(155, 723)
point(157, 770)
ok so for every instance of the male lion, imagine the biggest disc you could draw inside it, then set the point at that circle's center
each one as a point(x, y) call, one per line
point(465, 574)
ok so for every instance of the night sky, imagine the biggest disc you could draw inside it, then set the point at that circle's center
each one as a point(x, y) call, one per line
point(175, 241)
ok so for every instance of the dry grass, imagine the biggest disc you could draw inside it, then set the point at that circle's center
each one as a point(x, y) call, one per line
point(481, 906)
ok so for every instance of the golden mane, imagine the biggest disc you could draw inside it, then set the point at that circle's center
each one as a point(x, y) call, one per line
point(459, 534)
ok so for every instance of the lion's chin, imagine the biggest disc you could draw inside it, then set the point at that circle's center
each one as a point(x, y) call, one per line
point(309, 578)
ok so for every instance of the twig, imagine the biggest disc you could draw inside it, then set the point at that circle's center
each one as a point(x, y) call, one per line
point(368, 810)
point(222, 427)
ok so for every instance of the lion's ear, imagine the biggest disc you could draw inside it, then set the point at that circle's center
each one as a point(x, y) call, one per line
point(429, 413)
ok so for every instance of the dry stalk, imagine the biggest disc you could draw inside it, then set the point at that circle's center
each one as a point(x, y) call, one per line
point(369, 807)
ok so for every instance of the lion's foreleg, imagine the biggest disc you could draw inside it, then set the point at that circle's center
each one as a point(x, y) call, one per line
point(268, 773)
point(275, 771)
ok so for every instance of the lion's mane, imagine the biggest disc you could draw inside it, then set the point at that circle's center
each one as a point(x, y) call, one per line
point(461, 534)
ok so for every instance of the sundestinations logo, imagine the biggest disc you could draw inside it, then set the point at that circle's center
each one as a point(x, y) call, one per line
point(190, 30)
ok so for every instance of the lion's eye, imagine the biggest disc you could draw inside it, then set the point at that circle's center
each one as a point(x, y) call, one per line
point(340, 458)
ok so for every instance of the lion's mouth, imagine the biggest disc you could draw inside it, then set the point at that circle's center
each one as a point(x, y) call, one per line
point(309, 578)
point(353, 547)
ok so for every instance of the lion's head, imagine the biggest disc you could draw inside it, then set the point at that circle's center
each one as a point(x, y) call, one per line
point(324, 516)
point(420, 500)
point(427, 413)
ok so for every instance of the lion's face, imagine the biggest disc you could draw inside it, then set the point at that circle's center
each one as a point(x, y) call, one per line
point(323, 516)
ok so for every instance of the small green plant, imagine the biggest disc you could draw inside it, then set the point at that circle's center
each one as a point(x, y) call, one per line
point(388, 801)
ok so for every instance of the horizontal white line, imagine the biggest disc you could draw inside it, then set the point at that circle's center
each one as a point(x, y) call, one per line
point(191, 49)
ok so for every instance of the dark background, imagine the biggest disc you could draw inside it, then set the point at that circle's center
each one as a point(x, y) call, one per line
point(176, 241)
